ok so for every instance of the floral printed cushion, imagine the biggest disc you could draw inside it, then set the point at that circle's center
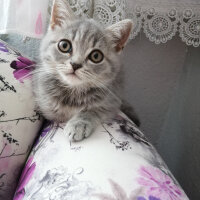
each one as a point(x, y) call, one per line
point(115, 163)
point(19, 122)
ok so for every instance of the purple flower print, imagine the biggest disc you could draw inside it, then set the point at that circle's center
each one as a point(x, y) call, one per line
point(3, 47)
point(150, 198)
point(158, 185)
point(24, 179)
point(47, 126)
point(23, 68)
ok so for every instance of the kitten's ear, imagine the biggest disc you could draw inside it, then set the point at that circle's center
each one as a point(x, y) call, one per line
point(119, 33)
point(61, 12)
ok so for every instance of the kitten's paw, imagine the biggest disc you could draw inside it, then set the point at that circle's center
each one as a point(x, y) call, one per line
point(78, 130)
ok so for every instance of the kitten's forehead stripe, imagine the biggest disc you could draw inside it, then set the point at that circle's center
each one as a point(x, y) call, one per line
point(95, 40)
point(74, 32)
point(86, 34)
point(85, 30)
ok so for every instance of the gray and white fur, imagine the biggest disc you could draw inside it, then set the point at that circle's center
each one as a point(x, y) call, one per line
point(69, 86)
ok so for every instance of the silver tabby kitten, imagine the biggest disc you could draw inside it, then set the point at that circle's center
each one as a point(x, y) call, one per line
point(80, 71)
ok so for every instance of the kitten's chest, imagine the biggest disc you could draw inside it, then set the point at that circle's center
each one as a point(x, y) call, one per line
point(62, 112)
point(65, 104)
point(82, 100)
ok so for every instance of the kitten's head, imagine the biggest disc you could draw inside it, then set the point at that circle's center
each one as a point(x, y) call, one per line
point(79, 51)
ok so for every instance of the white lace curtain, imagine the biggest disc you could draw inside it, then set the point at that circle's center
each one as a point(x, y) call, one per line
point(160, 20)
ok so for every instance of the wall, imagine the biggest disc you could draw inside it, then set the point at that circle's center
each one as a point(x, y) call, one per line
point(152, 73)
point(163, 84)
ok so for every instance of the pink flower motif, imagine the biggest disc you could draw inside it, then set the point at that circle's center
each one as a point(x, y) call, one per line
point(149, 198)
point(3, 47)
point(38, 25)
point(158, 184)
point(23, 67)
point(24, 179)
point(19, 2)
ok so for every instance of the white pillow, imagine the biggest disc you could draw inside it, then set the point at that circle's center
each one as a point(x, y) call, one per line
point(115, 162)
point(19, 123)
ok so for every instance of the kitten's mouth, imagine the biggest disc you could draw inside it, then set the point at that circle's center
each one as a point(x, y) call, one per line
point(73, 75)
point(71, 78)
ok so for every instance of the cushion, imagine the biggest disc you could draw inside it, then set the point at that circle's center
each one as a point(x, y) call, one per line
point(115, 162)
point(19, 122)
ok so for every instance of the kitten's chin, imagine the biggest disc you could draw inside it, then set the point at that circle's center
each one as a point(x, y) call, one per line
point(71, 79)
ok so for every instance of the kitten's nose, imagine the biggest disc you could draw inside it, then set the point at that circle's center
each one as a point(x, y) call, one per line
point(75, 66)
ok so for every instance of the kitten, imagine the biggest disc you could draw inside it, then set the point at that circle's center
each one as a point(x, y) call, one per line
point(80, 71)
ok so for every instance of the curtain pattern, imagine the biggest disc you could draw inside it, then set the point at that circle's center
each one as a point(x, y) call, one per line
point(159, 20)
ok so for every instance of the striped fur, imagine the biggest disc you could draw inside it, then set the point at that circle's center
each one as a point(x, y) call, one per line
point(93, 94)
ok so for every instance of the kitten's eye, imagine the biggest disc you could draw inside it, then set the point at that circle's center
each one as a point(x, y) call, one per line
point(96, 56)
point(65, 46)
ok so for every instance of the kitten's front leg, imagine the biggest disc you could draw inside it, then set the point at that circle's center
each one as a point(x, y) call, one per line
point(81, 125)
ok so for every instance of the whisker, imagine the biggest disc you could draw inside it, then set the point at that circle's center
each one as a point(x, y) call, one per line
point(31, 73)
point(94, 78)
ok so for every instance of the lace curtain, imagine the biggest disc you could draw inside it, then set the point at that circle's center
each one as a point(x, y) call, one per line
point(160, 20)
